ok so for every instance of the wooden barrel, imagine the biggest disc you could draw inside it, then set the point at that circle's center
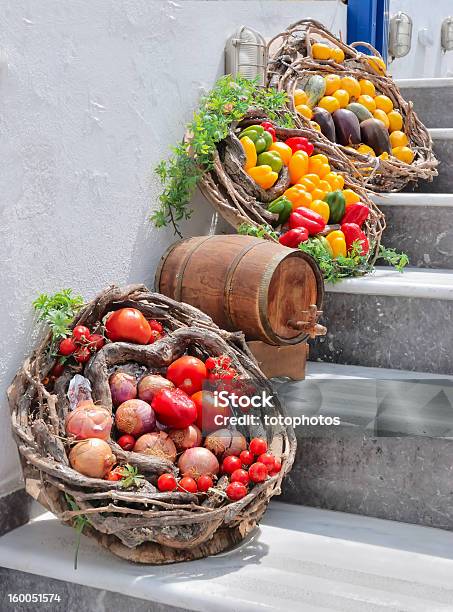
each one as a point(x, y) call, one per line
point(243, 283)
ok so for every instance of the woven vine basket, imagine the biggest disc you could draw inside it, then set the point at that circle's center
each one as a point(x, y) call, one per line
point(139, 523)
point(238, 199)
point(291, 63)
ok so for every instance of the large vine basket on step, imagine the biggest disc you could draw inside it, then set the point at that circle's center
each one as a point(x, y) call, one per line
point(291, 63)
point(240, 200)
point(139, 523)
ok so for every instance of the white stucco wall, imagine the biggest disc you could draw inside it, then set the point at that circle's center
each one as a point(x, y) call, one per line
point(94, 94)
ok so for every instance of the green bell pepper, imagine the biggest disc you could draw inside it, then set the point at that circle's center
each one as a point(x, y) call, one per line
point(261, 139)
point(337, 205)
point(281, 207)
point(272, 159)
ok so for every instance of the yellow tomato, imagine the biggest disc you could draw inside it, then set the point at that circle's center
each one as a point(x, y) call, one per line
point(321, 51)
point(351, 85)
point(368, 102)
point(336, 181)
point(367, 88)
point(383, 103)
point(333, 82)
point(300, 97)
point(315, 126)
point(351, 197)
point(329, 103)
point(404, 154)
point(398, 139)
point(396, 120)
point(337, 54)
point(304, 110)
point(366, 150)
point(342, 96)
point(382, 116)
point(284, 150)
point(318, 194)
point(384, 155)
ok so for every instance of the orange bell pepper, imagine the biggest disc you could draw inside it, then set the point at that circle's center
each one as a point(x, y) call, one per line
point(298, 166)
point(298, 196)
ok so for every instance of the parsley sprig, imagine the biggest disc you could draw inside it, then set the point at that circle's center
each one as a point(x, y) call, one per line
point(58, 311)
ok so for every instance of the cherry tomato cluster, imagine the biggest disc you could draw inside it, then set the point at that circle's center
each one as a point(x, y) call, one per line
point(219, 368)
point(81, 344)
point(167, 482)
point(157, 330)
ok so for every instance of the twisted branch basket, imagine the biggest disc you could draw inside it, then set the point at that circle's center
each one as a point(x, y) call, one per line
point(138, 524)
point(238, 199)
point(291, 64)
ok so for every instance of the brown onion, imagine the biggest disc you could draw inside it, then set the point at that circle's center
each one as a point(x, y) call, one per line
point(158, 443)
point(226, 442)
point(135, 417)
point(89, 421)
point(123, 387)
point(92, 458)
point(186, 438)
point(198, 461)
point(150, 384)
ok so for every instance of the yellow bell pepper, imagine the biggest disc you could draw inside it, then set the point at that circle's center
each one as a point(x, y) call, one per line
point(322, 208)
point(264, 176)
point(337, 241)
point(298, 166)
point(298, 196)
point(250, 152)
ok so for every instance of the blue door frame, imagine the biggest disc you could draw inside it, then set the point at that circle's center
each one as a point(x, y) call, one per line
point(368, 21)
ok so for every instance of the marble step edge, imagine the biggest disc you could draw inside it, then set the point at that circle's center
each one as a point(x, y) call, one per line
point(424, 83)
point(441, 133)
point(411, 283)
point(300, 557)
point(422, 200)
point(322, 370)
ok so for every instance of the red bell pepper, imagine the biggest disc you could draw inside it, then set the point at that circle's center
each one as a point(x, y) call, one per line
point(304, 217)
point(353, 233)
point(300, 143)
point(356, 213)
point(268, 127)
point(294, 237)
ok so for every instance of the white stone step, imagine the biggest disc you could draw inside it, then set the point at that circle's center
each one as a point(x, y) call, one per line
point(300, 559)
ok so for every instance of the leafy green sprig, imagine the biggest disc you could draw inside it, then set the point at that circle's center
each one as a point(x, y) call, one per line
point(58, 311)
point(130, 477)
point(79, 523)
point(262, 231)
point(228, 101)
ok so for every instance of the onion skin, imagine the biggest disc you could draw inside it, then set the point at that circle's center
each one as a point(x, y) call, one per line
point(89, 421)
point(158, 444)
point(224, 442)
point(123, 387)
point(185, 438)
point(151, 384)
point(135, 417)
point(198, 461)
point(92, 458)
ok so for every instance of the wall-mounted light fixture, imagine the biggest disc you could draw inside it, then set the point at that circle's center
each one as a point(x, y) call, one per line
point(400, 35)
point(446, 34)
point(246, 54)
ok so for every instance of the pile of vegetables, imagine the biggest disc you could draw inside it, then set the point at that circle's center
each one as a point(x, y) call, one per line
point(350, 112)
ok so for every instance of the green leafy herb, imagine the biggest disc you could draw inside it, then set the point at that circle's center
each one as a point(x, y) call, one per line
point(335, 270)
point(262, 231)
point(58, 310)
point(228, 101)
point(398, 260)
point(78, 522)
point(130, 476)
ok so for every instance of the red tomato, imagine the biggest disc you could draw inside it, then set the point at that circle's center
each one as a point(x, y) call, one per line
point(230, 464)
point(82, 354)
point(207, 411)
point(204, 483)
point(258, 446)
point(166, 482)
point(96, 341)
point(67, 347)
point(128, 325)
point(155, 325)
point(155, 335)
point(80, 333)
point(127, 442)
point(258, 472)
point(188, 485)
point(115, 474)
point(277, 466)
point(236, 491)
point(246, 457)
point(57, 370)
point(187, 373)
point(174, 408)
point(240, 476)
point(268, 459)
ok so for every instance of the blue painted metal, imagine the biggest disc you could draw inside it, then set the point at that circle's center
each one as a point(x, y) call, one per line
point(368, 21)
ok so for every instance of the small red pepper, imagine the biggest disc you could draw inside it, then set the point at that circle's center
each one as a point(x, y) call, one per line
point(356, 213)
point(268, 127)
point(300, 143)
point(304, 217)
point(353, 233)
point(294, 237)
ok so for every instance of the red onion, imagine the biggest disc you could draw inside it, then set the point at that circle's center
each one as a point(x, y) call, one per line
point(92, 458)
point(135, 417)
point(226, 442)
point(159, 444)
point(198, 461)
point(186, 438)
point(150, 384)
point(123, 387)
point(89, 421)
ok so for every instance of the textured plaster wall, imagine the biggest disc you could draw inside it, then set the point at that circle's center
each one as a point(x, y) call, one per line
point(94, 93)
